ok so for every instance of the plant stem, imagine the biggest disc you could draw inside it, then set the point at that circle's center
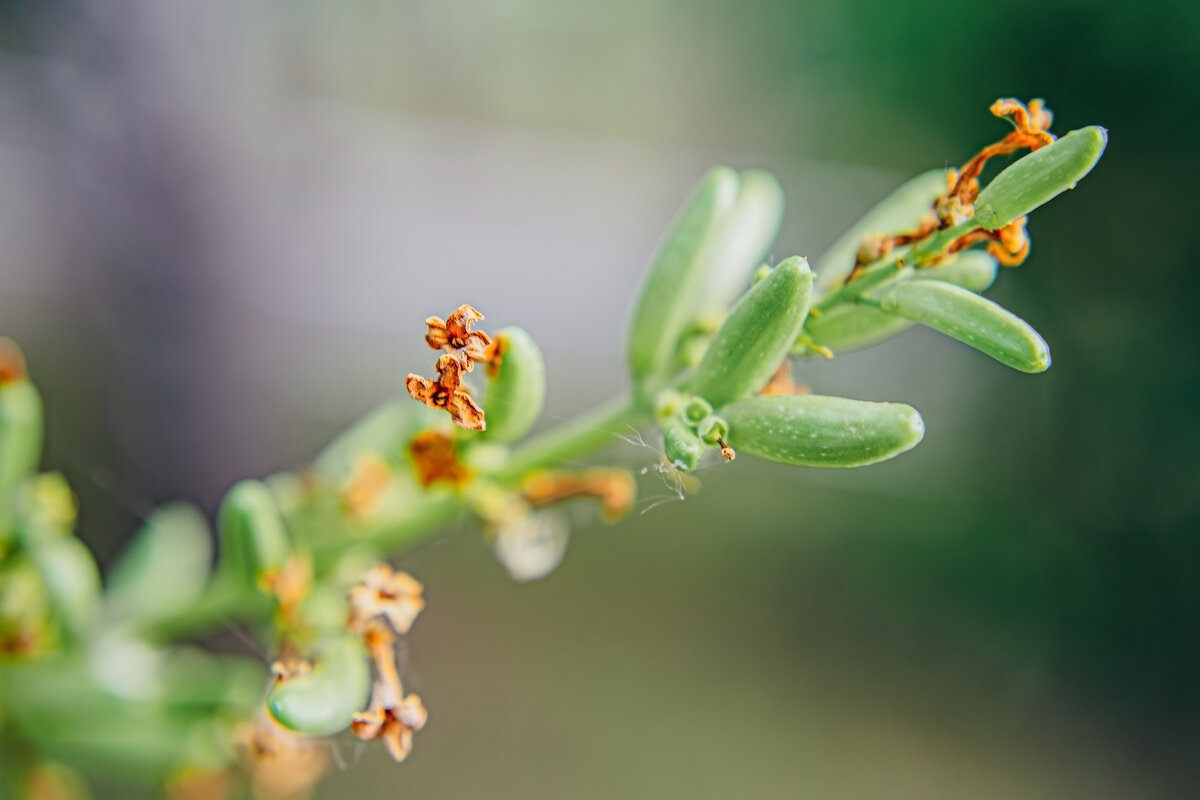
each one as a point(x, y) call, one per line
point(575, 438)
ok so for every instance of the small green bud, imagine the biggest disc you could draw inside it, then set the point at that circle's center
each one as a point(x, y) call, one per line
point(971, 319)
point(515, 396)
point(1039, 177)
point(900, 211)
point(847, 326)
point(253, 536)
point(756, 336)
point(696, 409)
point(713, 429)
point(815, 431)
point(743, 241)
point(666, 303)
point(681, 444)
point(166, 567)
point(668, 403)
point(323, 701)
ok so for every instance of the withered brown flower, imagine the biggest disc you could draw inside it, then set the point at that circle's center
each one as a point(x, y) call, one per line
point(395, 596)
point(395, 725)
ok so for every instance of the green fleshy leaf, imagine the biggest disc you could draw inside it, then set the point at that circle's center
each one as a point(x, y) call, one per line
point(848, 326)
point(756, 336)
point(666, 303)
point(166, 567)
point(253, 537)
point(971, 319)
point(1039, 177)
point(514, 398)
point(900, 211)
point(681, 444)
point(323, 701)
point(744, 240)
point(815, 431)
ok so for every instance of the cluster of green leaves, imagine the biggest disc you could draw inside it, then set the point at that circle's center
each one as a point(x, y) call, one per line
point(84, 678)
point(719, 239)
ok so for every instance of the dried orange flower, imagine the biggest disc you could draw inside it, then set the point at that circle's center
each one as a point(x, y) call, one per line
point(1010, 244)
point(436, 459)
point(289, 668)
point(448, 391)
point(1030, 125)
point(395, 596)
point(362, 489)
point(289, 584)
point(614, 488)
point(464, 347)
point(199, 784)
point(283, 765)
point(782, 382)
point(393, 724)
point(454, 333)
point(12, 363)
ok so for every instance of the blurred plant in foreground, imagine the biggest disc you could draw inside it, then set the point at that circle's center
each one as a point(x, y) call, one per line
point(106, 683)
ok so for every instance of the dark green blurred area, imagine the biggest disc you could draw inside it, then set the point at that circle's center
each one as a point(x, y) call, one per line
point(1008, 611)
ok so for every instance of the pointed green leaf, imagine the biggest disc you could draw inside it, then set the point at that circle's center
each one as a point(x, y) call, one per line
point(323, 701)
point(971, 319)
point(816, 431)
point(514, 398)
point(756, 336)
point(165, 568)
point(1039, 177)
point(666, 302)
point(900, 211)
point(744, 240)
point(848, 326)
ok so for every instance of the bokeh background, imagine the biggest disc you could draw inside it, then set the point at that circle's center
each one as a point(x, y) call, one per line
point(223, 222)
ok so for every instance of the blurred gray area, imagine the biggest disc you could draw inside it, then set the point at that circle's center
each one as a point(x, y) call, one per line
point(222, 225)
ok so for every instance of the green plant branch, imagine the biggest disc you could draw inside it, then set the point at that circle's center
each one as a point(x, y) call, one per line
point(295, 550)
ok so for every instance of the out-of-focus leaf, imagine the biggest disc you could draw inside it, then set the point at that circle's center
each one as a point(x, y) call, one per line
point(514, 398)
point(666, 303)
point(166, 567)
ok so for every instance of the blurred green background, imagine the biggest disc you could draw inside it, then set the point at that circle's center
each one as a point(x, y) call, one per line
point(222, 224)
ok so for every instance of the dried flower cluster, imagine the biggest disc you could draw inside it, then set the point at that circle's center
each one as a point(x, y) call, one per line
point(384, 605)
point(1008, 245)
point(463, 348)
